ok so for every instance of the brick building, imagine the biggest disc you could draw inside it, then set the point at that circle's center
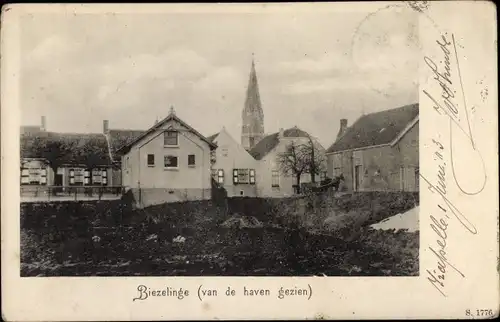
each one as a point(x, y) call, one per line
point(379, 152)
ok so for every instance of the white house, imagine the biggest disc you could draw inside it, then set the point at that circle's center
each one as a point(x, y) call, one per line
point(234, 167)
point(169, 162)
point(270, 179)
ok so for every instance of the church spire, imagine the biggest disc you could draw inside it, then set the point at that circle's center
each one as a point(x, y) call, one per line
point(253, 116)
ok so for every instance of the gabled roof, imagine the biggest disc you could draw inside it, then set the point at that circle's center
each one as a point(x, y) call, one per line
point(68, 148)
point(269, 142)
point(376, 128)
point(119, 138)
point(171, 116)
point(212, 137)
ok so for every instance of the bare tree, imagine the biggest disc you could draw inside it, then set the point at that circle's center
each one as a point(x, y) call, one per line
point(314, 158)
point(299, 159)
point(293, 161)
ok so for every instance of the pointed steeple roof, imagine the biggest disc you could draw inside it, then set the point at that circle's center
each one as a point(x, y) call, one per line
point(252, 100)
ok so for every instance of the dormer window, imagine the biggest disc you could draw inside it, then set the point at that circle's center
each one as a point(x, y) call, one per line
point(171, 138)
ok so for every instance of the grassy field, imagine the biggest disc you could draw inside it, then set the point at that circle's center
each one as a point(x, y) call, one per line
point(316, 236)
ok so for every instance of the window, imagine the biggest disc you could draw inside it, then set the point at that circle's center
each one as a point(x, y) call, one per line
point(34, 176)
point(220, 176)
point(77, 176)
point(235, 176)
point(99, 177)
point(322, 175)
point(244, 176)
point(275, 177)
point(171, 138)
point(336, 172)
point(252, 176)
point(104, 177)
point(25, 176)
point(191, 160)
point(96, 176)
point(170, 161)
point(151, 160)
point(86, 179)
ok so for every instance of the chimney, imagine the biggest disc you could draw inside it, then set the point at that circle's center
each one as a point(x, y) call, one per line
point(105, 126)
point(281, 133)
point(343, 127)
point(43, 125)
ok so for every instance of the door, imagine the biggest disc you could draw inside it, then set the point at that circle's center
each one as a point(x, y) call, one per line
point(58, 180)
point(357, 170)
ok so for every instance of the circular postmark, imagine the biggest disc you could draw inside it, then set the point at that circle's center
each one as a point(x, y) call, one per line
point(386, 43)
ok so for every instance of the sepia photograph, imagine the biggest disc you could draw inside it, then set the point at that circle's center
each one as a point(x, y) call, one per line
point(220, 144)
point(249, 161)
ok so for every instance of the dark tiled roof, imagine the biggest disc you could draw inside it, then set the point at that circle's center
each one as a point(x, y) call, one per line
point(376, 128)
point(120, 138)
point(67, 148)
point(269, 142)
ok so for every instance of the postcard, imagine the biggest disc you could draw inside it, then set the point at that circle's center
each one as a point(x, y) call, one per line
point(249, 161)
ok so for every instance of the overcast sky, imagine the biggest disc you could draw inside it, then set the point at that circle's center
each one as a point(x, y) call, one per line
point(312, 68)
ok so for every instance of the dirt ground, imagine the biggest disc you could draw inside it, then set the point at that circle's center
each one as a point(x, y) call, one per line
point(247, 237)
point(234, 252)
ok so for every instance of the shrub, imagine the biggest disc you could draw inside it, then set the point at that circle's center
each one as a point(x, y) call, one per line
point(219, 193)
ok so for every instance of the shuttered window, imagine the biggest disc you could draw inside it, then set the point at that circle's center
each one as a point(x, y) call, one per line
point(243, 176)
point(78, 176)
point(33, 176)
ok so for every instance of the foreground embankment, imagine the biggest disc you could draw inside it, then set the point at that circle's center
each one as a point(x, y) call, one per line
point(312, 235)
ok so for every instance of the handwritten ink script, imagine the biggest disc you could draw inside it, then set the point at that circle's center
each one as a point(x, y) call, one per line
point(419, 6)
point(450, 102)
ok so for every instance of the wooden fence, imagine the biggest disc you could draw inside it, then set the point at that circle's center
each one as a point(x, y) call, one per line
point(58, 193)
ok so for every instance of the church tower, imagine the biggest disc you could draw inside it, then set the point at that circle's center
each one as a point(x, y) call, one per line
point(252, 130)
